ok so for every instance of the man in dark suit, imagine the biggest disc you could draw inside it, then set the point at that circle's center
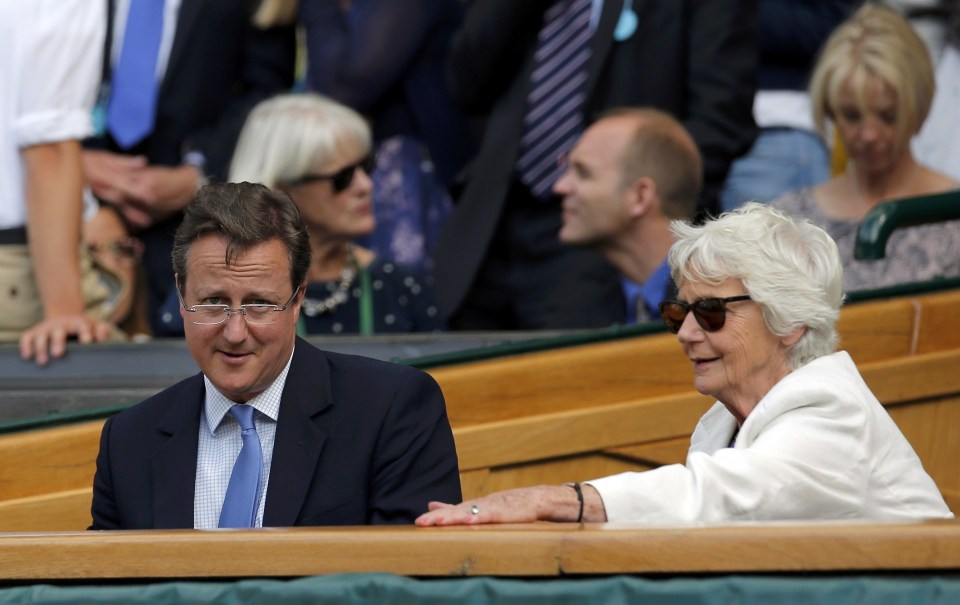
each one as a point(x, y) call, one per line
point(214, 64)
point(338, 439)
point(499, 264)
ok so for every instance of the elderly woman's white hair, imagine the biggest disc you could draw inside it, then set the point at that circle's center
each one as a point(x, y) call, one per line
point(292, 135)
point(789, 266)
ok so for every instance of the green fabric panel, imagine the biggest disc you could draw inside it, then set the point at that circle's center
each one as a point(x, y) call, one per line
point(617, 590)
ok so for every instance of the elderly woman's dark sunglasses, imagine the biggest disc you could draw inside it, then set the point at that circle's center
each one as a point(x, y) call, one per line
point(342, 178)
point(710, 313)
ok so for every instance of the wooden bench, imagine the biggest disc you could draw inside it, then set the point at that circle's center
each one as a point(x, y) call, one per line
point(577, 413)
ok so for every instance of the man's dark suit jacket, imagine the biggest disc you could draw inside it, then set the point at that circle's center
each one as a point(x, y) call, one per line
point(693, 58)
point(220, 67)
point(359, 441)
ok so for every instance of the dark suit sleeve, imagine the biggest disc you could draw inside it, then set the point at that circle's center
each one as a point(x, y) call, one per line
point(415, 459)
point(722, 74)
point(358, 55)
point(267, 69)
point(488, 49)
point(104, 508)
point(794, 30)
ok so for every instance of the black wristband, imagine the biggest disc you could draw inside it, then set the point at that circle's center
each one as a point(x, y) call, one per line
point(576, 487)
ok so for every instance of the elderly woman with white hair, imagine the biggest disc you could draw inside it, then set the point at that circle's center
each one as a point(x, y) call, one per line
point(319, 152)
point(795, 433)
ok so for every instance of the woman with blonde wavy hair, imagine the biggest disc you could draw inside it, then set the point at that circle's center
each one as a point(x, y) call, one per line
point(874, 84)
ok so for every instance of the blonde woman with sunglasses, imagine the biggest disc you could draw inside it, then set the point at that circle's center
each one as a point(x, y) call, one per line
point(320, 152)
point(795, 433)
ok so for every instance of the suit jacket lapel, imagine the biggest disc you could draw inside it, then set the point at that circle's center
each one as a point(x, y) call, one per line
point(175, 467)
point(300, 438)
point(602, 40)
point(718, 426)
point(186, 19)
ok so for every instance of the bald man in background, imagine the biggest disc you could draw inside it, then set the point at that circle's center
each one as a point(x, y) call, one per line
point(631, 173)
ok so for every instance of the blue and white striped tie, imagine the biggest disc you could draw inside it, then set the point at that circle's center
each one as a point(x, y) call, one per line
point(554, 118)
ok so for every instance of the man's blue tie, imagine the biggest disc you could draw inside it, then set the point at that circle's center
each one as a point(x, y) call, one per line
point(133, 89)
point(243, 493)
point(554, 118)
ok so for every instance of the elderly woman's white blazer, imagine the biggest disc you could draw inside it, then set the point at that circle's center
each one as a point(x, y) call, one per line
point(818, 446)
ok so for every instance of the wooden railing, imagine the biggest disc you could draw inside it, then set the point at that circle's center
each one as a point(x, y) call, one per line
point(578, 413)
point(544, 550)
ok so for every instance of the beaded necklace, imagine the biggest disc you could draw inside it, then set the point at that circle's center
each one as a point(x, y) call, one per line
point(313, 307)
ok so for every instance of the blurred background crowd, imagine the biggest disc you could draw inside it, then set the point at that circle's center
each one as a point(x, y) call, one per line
point(460, 164)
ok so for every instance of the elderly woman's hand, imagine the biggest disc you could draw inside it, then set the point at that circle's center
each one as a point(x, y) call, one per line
point(522, 505)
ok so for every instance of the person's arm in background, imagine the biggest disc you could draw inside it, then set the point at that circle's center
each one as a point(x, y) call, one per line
point(64, 47)
point(358, 49)
point(794, 30)
point(54, 184)
point(387, 59)
point(156, 192)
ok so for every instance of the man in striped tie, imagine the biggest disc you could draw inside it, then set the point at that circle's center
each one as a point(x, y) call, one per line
point(539, 71)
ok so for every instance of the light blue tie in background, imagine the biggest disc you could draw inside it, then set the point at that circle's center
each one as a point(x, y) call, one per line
point(133, 97)
point(243, 493)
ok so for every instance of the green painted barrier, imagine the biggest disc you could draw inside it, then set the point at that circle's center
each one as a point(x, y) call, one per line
point(379, 589)
point(876, 227)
